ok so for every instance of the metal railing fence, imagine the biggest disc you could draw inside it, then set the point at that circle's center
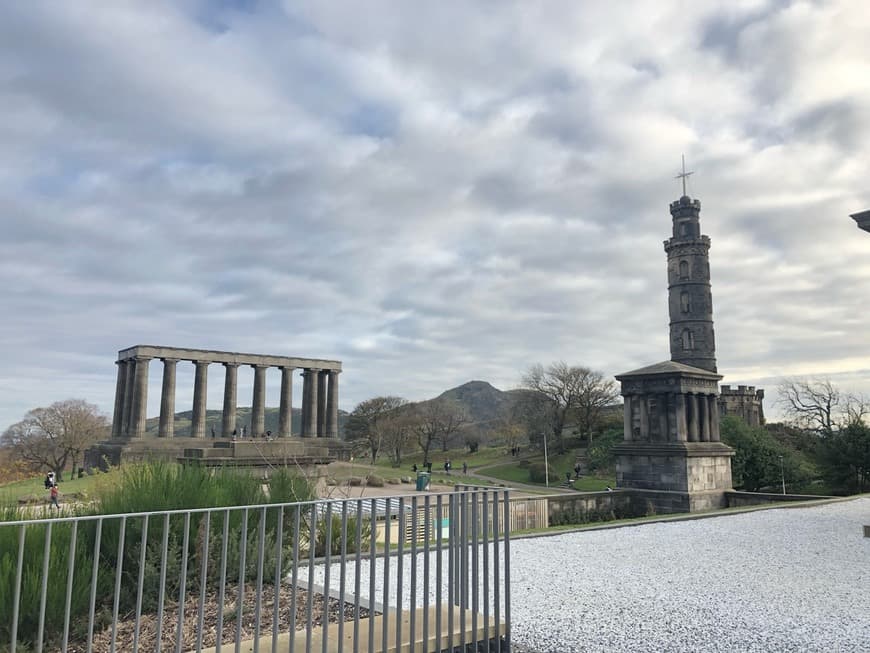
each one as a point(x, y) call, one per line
point(308, 576)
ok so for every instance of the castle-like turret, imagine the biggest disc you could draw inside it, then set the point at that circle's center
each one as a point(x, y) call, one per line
point(690, 300)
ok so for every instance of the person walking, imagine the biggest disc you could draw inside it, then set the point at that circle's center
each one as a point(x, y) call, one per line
point(464, 468)
point(53, 493)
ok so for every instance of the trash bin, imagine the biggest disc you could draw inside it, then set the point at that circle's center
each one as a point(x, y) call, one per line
point(423, 481)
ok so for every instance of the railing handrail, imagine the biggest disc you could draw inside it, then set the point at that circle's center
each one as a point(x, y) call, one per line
point(189, 511)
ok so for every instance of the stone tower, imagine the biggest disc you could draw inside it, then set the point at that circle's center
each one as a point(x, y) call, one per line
point(690, 300)
point(671, 455)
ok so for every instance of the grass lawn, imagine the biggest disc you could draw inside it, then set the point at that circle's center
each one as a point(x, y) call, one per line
point(11, 492)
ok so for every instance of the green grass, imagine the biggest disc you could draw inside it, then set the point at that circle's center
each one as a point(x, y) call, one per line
point(87, 486)
point(593, 484)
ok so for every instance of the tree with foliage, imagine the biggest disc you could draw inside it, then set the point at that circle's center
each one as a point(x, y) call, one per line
point(438, 422)
point(845, 458)
point(560, 391)
point(369, 423)
point(759, 462)
point(57, 436)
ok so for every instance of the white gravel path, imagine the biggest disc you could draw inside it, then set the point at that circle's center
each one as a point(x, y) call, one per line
point(794, 579)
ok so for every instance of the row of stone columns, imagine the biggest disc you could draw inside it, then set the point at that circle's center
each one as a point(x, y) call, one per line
point(319, 400)
point(692, 417)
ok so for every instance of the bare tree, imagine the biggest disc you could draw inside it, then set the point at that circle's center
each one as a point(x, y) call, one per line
point(595, 393)
point(438, 421)
point(818, 405)
point(369, 422)
point(58, 435)
point(397, 430)
point(561, 390)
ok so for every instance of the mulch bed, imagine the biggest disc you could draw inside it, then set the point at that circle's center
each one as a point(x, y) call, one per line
point(148, 622)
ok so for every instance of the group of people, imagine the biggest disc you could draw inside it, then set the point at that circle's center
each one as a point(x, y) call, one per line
point(243, 434)
point(53, 492)
point(447, 467)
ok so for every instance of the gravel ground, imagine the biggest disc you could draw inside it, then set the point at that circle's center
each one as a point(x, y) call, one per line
point(785, 580)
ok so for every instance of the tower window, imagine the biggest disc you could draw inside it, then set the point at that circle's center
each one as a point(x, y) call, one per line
point(684, 229)
point(685, 306)
point(684, 270)
point(688, 340)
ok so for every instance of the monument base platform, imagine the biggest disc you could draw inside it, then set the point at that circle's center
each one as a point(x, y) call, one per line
point(220, 452)
point(675, 476)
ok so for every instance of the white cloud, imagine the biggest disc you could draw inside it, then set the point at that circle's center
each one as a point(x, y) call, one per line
point(429, 192)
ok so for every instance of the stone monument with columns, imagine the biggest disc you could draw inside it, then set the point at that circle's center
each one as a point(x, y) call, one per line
point(671, 455)
point(316, 442)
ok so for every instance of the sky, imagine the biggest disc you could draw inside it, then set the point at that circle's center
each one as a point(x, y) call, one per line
point(429, 192)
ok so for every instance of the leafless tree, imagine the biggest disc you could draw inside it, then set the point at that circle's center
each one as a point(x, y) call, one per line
point(595, 393)
point(560, 391)
point(438, 421)
point(818, 405)
point(397, 430)
point(57, 436)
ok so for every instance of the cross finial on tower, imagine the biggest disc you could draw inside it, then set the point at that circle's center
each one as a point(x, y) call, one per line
point(683, 175)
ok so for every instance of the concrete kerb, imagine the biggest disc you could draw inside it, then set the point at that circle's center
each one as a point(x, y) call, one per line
point(639, 521)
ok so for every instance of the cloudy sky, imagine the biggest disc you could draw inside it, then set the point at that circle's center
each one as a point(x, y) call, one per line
point(431, 192)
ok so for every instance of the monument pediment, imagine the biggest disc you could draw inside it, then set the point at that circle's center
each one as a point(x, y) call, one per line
point(669, 367)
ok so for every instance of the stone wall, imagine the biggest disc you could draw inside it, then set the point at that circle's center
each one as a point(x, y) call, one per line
point(589, 506)
point(737, 499)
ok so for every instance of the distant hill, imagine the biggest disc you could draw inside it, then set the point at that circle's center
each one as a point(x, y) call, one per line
point(481, 400)
point(243, 417)
point(485, 405)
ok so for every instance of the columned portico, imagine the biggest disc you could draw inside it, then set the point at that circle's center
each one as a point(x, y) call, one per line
point(319, 396)
point(167, 399)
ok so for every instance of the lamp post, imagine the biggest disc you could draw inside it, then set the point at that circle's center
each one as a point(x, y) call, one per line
point(782, 472)
point(546, 462)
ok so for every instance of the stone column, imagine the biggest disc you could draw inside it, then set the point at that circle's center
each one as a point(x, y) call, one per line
point(643, 402)
point(322, 375)
point(258, 405)
point(682, 427)
point(167, 399)
point(228, 417)
point(703, 418)
point(332, 405)
point(200, 388)
point(662, 405)
point(306, 389)
point(285, 412)
point(309, 398)
point(140, 398)
point(118, 414)
point(126, 416)
point(693, 417)
point(714, 419)
point(627, 419)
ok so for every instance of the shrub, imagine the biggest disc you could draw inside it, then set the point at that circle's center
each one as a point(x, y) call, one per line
point(537, 473)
